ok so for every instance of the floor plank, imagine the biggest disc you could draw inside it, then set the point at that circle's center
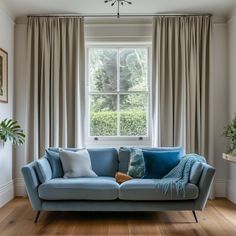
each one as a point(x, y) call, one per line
point(218, 219)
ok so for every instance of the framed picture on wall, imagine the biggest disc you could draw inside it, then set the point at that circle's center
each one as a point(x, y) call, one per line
point(3, 76)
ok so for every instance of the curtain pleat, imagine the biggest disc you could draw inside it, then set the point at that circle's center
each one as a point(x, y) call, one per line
point(181, 82)
point(182, 90)
point(55, 83)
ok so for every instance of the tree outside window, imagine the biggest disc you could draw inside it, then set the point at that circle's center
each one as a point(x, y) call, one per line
point(118, 92)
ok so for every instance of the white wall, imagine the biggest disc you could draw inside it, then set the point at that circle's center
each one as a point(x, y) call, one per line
point(6, 110)
point(142, 31)
point(20, 102)
point(232, 99)
point(221, 108)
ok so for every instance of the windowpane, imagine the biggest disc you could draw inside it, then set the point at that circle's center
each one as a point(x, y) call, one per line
point(133, 69)
point(118, 92)
point(133, 114)
point(103, 115)
point(103, 69)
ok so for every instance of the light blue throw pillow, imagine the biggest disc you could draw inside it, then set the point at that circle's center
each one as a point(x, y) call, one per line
point(136, 164)
point(76, 164)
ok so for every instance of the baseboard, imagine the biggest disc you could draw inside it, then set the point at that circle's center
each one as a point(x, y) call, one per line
point(220, 188)
point(231, 193)
point(19, 187)
point(6, 193)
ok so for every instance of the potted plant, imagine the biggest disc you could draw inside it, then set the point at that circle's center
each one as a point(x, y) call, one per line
point(230, 134)
point(11, 131)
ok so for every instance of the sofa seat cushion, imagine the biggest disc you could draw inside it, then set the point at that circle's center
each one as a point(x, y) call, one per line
point(87, 188)
point(149, 190)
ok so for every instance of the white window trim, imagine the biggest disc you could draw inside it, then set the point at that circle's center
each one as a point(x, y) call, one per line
point(124, 140)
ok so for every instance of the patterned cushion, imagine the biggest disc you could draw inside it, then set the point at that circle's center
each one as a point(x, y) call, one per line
point(136, 164)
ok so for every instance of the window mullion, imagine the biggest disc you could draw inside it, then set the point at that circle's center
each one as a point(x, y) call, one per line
point(118, 92)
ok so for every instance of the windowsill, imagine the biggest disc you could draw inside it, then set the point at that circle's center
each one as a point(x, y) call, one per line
point(120, 143)
point(228, 157)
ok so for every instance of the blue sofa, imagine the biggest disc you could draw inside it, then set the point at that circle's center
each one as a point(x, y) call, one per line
point(103, 193)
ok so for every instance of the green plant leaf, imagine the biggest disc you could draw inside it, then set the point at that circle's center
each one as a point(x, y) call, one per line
point(11, 130)
point(230, 134)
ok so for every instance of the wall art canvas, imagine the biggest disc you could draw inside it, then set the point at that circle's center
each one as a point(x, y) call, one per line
point(3, 76)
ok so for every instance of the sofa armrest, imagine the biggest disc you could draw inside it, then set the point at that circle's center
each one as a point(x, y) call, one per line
point(204, 185)
point(32, 183)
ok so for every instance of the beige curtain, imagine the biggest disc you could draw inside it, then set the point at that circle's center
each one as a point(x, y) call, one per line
point(181, 83)
point(55, 81)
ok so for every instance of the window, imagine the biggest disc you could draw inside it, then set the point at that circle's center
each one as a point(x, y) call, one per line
point(118, 92)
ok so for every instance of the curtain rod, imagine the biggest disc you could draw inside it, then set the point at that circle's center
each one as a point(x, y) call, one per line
point(121, 15)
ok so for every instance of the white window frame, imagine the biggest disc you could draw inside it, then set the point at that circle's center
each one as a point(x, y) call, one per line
point(114, 140)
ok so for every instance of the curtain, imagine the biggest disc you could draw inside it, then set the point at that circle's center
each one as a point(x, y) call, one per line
point(182, 84)
point(55, 83)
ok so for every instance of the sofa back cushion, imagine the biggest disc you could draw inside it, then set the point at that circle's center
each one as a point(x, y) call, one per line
point(57, 149)
point(104, 160)
point(124, 155)
point(124, 158)
point(55, 163)
point(43, 170)
point(52, 154)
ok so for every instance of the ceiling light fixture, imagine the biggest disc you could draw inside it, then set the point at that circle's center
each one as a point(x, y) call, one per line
point(119, 3)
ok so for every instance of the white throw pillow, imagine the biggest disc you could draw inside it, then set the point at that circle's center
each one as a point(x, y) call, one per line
point(76, 164)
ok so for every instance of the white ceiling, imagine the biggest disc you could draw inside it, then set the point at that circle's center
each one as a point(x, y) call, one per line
point(219, 8)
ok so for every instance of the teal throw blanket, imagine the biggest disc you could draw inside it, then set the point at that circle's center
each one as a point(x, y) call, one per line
point(178, 177)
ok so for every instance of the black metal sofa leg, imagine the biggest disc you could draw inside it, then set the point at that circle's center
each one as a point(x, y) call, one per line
point(36, 218)
point(195, 216)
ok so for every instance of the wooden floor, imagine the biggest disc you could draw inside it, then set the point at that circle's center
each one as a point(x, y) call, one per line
point(17, 219)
